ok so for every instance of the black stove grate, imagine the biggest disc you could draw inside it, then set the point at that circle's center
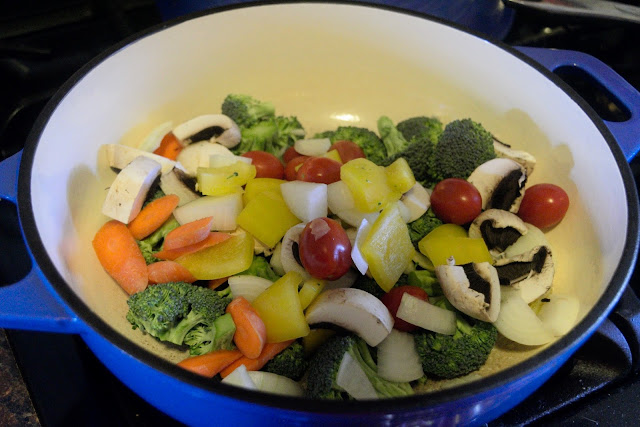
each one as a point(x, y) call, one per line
point(43, 43)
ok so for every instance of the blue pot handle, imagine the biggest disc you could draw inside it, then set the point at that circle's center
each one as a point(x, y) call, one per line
point(29, 303)
point(627, 133)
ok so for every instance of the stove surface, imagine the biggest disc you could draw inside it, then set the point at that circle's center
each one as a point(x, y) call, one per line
point(42, 44)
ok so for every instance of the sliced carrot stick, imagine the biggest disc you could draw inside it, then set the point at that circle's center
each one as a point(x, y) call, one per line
point(209, 364)
point(170, 147)
point(121, 257)
point(214, 283)
point(168, 271)
point(213, 238)
point(152, 216)
point(251, 334)
point(270, 351)
point(188, 234)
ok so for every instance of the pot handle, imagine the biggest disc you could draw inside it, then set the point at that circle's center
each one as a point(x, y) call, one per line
point(626, 132)
point(626, 316)
point(29, 304)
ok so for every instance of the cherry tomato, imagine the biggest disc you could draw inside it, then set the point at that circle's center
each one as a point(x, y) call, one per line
point(456, 201)
point(392, 301)
point(290, 154)
point(544, 205)
point(348, 150)
point(291, 170)
point(319, 169)
point(325, 249)
point(267, 165)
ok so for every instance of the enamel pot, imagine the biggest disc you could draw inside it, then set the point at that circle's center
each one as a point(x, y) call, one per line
point(328, 64)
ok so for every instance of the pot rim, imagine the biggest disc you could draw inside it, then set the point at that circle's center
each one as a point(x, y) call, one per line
point(578, 334)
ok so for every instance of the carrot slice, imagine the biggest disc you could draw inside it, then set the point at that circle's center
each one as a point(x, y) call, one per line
point(170, 147)
point(209, 364)
point(269, 352)
point(168, 271)
point(188, 234)
point(213, 238)
point(214, 283)
point(152, 216)
point(251, 334)
point(121, 257)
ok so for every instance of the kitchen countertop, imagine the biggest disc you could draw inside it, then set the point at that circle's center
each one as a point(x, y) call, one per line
point(16, 408)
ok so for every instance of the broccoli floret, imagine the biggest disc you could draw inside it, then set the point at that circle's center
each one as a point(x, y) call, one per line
point(273, 135)
point(463, 146)
point(392, 138)
point(324, 365)
point(153, 243)
point(370, 143)
point(423, 226)
point(169, 311)
point(260, 267)
point(245, 110)
point(421, 129)
point(290, 362)
point(425, 280)
point(207, 338)
point(451, 356)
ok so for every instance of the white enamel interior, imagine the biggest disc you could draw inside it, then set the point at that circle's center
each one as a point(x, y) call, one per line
point(327, 64)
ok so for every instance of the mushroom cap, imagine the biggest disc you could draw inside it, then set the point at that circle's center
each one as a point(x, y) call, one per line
point(474, 289)
point(531, 272)
point(209, 127)
point(500, 183)
point(498, 228)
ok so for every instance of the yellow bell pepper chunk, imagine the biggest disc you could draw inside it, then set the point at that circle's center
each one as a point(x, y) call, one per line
point(258, 185)
point(267, 217)
point(224, 179)
point(333, 155)
point(463, 249)
point(400, 175)
point(387, 247)
point(309, 291)
point(446, 230)
point(222, 260)
point(368, 185)
point(279, 308)
point(316, 337)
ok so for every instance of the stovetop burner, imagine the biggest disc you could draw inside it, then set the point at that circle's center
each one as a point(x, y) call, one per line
point(42, 45)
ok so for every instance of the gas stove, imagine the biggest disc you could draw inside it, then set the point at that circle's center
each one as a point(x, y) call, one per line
point(41, 45)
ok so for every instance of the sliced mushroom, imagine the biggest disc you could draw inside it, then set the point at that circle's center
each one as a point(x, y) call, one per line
point(473, 288)
point(119, 156)
point(500, 183)
point(499, 229)
point(505, 151)
point(199, 154)
point(130, 188)
point(532, 272)
point(355, 310)
point(210, 127)
point(176, 182)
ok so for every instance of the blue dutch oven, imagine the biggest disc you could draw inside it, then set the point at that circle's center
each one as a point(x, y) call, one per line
point(325, 63)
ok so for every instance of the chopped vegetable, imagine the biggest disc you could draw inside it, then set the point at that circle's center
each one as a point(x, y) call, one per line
point(168, 271)
point(210, 364)
point(269, 352)
point(121, 257)
point(213, 238)
point(188, 234)
point(251, 334)
point(152, 216)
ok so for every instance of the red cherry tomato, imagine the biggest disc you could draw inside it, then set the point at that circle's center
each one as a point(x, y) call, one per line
point(544, 205)
point(392, 301)
point(319, 169)
point(325, 249)
point(348, 150)
point(456, 201)
point(267, 165)
point(290, 154)
point(291, 170)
